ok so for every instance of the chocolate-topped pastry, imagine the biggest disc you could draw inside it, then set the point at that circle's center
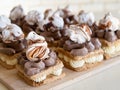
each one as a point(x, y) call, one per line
point(108, 33)
point(41, 61)
point(17, 15)
point(13, 44)
point(32, 20)
point(77, 50)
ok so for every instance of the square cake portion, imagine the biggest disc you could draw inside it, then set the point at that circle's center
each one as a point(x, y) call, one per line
point(78, 50)
point(109, 34)
point(12, 43)
point(38, 64)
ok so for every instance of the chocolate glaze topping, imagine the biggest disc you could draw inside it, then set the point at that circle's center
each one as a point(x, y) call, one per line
point(96, 43)
point(79, 52)
point(110, 36)
point(27, 28)
point(69, 45)
point(90, 46)
point(51, 60)
point(100, 33)
point(7, 51)
point(17, 45)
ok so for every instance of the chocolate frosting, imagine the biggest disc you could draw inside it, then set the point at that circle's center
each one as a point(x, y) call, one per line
point(28, 65)
point(32, 71)
point(39, 64)
point(79, 52)
point(57, 35)
point(69, 45)
point(51, 60)
point(118, 33)
point(110, 36)
point(100, 33)
point(18, 46)
point(96, 43)
point(32, 68)
point(49, 39)
point(51, 31)
point(90, 46)
point(8, 51)
point(27, 28)
point(22, 59)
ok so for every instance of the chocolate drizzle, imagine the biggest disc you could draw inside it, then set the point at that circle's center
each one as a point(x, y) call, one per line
point(18, 46)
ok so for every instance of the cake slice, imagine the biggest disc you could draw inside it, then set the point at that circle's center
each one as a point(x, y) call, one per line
point(109, 34)
point(38, 64)
point(78, 50)
point(12, 44)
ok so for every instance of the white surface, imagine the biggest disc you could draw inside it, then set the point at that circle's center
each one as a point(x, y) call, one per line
point(106, 80)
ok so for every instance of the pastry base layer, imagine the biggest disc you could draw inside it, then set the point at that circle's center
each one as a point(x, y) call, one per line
point(111, 49)
point(5, 65)
point(47, 72)
point(81, 63)
point(7, 61)
point(49, 79)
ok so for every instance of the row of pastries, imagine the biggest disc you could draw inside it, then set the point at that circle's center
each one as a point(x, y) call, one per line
point(40, 44)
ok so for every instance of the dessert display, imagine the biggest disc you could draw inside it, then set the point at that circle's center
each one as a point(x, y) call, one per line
point(109, 34)
point(12, 43)
point(78, 50)
point(38, 64)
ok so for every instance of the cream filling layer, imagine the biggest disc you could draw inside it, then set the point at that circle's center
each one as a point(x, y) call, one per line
point(111, 49)
point(56, 73)
point(81, 63)
point(8, 61)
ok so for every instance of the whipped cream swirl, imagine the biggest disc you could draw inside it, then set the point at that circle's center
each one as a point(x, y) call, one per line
point(4, 21)
point(37, 50)
point(79, 34)
point(12, 33)
point(34, 17)
point(86, 18)
point(58, 21)
point(34, 37)
point(17, 12)
point(109, 22)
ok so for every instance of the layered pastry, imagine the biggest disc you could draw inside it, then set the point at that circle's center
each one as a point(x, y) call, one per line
point(78, 50)
point(17, 15)
point(38, 64)
point(109, 34)
point(13, 43)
